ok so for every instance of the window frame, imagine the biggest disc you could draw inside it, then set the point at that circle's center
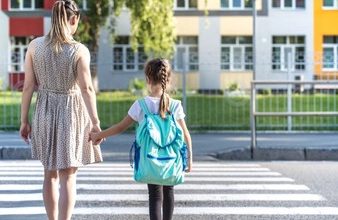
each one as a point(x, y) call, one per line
point(186, 5)
point(180, 44)
point(232, 47)
point(282, 5)
point(84, 5)
point(18, 67)
point(22, 8)
point(125, 52)
point(333, 46)
point(334, 7)
point(283, 65)
point(231, 6)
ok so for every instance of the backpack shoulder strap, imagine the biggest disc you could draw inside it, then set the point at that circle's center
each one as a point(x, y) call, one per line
point(143, 106)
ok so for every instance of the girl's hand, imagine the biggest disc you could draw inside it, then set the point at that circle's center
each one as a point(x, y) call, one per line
point(25, 132)
point(189, 168)
point(94, 135)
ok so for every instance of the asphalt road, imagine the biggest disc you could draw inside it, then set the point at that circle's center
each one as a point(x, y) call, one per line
point(207, 145)
point(214, 190)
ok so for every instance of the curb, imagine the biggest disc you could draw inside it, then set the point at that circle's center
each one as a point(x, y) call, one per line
point(298, 154)
point(15, 153)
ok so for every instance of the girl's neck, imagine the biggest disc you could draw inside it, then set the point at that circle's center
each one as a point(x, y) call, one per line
point(155, 91)
point(155, 94)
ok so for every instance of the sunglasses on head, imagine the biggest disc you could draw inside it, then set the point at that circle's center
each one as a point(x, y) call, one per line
point(68, 5)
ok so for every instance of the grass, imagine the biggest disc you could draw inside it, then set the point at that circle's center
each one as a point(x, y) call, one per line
point(205, 112)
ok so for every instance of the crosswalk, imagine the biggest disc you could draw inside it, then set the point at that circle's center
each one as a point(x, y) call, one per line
point(214, 190)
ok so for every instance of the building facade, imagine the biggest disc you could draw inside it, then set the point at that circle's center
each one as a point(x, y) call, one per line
point(326, 39)
point(20, 22)
point(23, 21)
point(213, 51)
point(294, 40)
point(284, 41)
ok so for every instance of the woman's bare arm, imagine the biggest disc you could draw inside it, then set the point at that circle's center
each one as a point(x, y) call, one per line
point(27, 93)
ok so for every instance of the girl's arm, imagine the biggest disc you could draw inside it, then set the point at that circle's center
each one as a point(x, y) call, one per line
point(27, 93)
point(187, 139)
point(113, 130)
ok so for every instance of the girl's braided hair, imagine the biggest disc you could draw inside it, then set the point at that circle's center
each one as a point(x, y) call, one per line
point(159, 71)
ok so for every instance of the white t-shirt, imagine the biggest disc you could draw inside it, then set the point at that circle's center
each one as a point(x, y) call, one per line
point(153, 103)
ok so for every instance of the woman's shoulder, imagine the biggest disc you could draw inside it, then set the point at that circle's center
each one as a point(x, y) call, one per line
point(36, 41)
point(82, 49)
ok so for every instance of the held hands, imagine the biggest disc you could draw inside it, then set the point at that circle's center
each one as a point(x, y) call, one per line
point(25, 132)
point(94, 135)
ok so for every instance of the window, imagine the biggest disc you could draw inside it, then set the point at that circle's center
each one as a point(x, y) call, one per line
point(330, 4)
point(185, 4)
point(285, 45)
point(26, 4)
point(236, 53)
point(83, 4)
point(124, 58)
point(19, 47)
point(330, 53)
point(186, 51)
point(236, 4)
point(288, 4)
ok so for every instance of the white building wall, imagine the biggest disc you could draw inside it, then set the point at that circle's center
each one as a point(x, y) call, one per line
point(123, 26)
point(108, 78)
point(209, 53)
point(287, 23)
point(4, 50)
point(47, 24)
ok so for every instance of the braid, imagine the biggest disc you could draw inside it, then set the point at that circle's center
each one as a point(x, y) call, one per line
point(158, 71)
point(163, 101)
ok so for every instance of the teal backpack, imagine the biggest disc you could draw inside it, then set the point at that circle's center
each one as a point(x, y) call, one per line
point(160, 154)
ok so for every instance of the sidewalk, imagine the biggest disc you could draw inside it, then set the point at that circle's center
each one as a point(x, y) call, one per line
point(211, 146)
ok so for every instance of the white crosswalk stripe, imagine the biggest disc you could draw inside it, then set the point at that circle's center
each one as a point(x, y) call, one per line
point(212, 189)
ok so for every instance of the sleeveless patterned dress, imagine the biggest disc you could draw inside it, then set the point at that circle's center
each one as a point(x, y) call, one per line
point(61, 123)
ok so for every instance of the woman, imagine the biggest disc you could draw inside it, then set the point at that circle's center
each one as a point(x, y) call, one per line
point(65, 109)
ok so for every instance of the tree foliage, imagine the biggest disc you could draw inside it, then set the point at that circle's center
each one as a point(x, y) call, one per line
point(91, 22)
point(151, 25)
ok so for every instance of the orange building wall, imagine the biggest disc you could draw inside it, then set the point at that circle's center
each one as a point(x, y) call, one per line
point(325, 23)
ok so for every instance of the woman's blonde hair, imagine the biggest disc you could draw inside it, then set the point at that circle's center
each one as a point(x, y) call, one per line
point(159, 71)
point(62, 11)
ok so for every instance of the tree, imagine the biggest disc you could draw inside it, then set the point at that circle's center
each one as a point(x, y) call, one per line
point(93, 18)
point(151, 25)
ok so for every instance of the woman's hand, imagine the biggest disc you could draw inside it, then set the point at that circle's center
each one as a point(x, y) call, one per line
point(25, 132)
point(94, 135)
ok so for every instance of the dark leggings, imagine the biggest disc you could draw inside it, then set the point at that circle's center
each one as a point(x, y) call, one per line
point(161, 196)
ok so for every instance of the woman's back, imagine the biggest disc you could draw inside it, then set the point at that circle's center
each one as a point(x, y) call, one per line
point(55, 71)
point(61, 124)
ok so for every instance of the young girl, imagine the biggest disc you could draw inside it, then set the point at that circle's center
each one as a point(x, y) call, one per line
point(157, 72)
